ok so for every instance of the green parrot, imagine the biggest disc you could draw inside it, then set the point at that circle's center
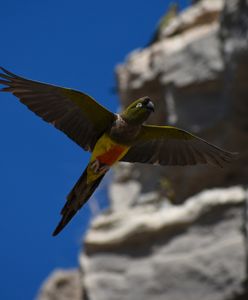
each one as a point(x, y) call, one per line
point(109, 137)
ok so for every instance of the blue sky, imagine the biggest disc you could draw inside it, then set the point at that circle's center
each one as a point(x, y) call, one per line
point(70, 43)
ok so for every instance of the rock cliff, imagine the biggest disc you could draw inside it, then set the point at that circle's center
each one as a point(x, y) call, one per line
point(145, 246)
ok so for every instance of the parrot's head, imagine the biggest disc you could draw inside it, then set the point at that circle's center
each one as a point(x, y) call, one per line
point(138, 112)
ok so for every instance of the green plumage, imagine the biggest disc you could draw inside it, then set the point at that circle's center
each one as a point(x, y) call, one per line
point(137, 113)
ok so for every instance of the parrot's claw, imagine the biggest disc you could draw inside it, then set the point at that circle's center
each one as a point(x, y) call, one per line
point(95, 166)
point(99, 168)
point(104, 168)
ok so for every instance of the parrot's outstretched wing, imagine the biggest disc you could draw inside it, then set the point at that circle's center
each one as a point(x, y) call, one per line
point(75, 113)
point(167, 145)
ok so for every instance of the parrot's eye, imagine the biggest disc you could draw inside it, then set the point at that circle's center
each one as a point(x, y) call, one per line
point(138, 105)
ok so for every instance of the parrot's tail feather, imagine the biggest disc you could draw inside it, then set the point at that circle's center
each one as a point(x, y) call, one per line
point(78, 196)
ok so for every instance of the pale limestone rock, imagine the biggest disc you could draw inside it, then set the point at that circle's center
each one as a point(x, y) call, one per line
point(62, 285)
point(123, 195)
point(205, 12)
point(196, 250)
point(145, 65)
point(113, 229)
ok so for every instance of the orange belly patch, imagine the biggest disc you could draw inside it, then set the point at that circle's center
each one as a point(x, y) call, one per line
point(112, 155)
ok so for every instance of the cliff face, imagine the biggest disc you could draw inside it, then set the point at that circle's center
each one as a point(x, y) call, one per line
point(63, 285)
point(145, 247)
point(196, 75)
point(196, 249)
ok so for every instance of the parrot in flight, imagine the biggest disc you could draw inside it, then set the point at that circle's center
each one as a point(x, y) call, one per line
point(109, 137)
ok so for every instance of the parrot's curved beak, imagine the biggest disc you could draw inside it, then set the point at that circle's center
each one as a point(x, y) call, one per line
point(150, 106)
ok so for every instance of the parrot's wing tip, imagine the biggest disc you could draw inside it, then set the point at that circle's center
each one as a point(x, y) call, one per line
point(233, 155)
point(2, 68)
point(8, 73)
point(229, 158)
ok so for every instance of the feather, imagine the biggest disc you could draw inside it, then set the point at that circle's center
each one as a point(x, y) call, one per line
point(174, 146)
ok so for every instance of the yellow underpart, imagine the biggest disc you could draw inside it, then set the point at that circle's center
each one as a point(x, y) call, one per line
point(103, 145)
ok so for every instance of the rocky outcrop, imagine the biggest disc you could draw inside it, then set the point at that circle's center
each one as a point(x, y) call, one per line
point(62, 285)
point(196, 249)
point(145, 247)
point(204, 13)
point(197, 85)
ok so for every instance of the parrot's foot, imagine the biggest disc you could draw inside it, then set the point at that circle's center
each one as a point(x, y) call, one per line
point(95, 165)
point(103, 169)
point(99, 168)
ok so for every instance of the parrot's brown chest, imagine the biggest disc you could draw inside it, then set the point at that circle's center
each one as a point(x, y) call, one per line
point(122, 132)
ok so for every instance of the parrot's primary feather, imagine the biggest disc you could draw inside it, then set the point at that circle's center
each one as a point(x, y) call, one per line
point(167, 145)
